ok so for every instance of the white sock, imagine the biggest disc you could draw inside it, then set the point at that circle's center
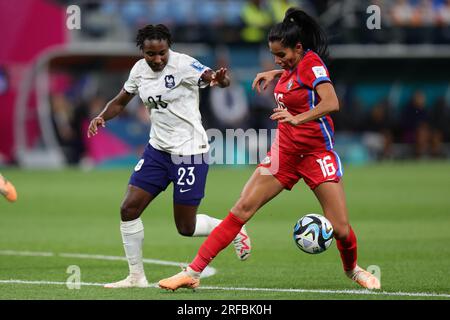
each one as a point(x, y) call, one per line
point(133, 238)
point(192, 273)
point(204, 225)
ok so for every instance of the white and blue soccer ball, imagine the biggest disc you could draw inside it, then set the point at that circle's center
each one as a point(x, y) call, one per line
point(313, 233)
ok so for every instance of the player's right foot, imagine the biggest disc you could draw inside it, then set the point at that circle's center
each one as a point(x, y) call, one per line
point(132, 281)
point(7, 189)
point(242, 245)
point(364, 278)
point(187, 278)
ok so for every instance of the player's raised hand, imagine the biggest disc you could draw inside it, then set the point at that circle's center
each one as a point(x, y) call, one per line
point(264, 79)
point(282, 115)
point(93, 126)
point(218, 77)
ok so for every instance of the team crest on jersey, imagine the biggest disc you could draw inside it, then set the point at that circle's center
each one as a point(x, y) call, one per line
point(290, 84)
point(170, 81)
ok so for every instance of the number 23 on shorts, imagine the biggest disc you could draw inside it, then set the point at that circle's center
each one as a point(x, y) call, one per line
point(186, 176)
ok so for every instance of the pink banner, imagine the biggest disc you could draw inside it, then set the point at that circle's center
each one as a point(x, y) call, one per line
point(27, 27)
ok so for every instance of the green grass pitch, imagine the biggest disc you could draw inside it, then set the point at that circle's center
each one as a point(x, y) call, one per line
point(399, 211)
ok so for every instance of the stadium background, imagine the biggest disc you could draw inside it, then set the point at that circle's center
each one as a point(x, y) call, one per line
point(392, 132)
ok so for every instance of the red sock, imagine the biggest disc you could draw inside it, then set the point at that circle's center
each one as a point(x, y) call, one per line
point(348, 251)
point(219, 238)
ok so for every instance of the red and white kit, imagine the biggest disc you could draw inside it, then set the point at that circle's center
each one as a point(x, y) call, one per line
point(303, 151)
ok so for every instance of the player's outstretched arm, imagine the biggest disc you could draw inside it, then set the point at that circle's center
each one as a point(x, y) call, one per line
point(217, 78)
point(264, 78)
point(112, 109)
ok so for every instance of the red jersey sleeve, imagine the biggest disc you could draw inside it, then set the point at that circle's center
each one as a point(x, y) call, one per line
point(311, 71)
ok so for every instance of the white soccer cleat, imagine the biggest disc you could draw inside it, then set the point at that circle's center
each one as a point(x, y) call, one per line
point(132, 281)
point(364, 278)
point(242, 245)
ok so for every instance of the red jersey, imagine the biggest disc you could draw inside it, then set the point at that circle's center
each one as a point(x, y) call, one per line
point(295, 91)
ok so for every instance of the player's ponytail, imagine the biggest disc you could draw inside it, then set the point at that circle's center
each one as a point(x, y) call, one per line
point(298, 26)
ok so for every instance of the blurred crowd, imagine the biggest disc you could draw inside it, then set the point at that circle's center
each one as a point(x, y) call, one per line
point(414, 129)
point(243, 21)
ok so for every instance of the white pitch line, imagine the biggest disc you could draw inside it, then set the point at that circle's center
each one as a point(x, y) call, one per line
point(26, 253)
point(357, 292)
point(48, 282)
point(208, 272)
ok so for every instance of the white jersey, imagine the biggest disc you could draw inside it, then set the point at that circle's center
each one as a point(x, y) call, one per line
point(172, 98)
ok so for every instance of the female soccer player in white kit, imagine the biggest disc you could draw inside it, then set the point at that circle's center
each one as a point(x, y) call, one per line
point(168, 83)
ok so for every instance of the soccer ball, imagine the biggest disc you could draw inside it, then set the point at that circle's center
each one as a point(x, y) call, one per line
point(313, 233)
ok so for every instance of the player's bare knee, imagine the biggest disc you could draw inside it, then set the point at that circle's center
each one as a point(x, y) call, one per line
point(243, 210)
point(186, 230)
point(129, 212)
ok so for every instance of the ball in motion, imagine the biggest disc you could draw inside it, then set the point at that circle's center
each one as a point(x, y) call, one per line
point(313, 233)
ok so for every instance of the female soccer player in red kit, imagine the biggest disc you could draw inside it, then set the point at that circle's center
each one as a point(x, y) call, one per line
point(303, 148)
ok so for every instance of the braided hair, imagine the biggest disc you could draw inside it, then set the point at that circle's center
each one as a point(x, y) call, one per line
point(298, 26)
point(153, 32)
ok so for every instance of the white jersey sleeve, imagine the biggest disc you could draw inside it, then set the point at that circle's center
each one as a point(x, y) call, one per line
point(132, 84)
point(192, 71)
point(172, 98)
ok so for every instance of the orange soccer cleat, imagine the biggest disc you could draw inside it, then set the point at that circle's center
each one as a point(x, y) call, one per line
point(185, 279)
point(364, 278)
point(7, 189)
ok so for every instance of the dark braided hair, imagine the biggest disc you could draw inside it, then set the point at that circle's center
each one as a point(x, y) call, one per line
point(153, 32)
point(298, 26)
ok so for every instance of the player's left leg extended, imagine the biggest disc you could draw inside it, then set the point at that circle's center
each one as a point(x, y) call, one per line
point(132, 231)
point(331, 196)
point(189, 180)
point(189, 223)
point(260, 189)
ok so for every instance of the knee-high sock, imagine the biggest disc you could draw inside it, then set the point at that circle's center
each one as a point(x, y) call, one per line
point(205, 225)
point(219, 239)
point(348, 251)
point(133, 238)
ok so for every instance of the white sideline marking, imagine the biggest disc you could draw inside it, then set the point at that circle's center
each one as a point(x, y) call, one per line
point(26, 253)
point(357, 292)
point(208, 272)
point(211, 271)
point(48, 282)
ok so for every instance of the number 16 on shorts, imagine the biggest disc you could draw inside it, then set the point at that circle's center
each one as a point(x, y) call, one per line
point(330, 166)
point(327, 167)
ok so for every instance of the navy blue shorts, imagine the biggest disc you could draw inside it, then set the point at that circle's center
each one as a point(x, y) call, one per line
point(157, 169)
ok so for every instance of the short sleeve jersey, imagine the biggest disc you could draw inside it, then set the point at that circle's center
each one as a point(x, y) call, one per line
point(295, 91)
point(172, 98)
